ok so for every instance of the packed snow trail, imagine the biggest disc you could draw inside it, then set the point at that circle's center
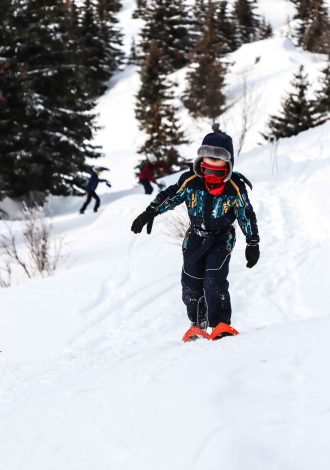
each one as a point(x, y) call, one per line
point(95, 374)
point(255, 400)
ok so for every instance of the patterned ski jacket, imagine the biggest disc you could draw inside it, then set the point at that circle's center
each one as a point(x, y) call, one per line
point(211, 213)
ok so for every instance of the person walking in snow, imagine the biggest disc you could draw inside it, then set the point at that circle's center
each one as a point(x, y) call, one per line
point(215, 197)
point(92, 184)
point(147, 174)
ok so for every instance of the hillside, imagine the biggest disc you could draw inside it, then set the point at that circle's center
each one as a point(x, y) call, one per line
point(94, 374)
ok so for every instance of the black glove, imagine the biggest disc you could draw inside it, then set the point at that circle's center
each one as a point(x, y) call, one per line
point(252, 251)
point(147, 217)
point(108, 184)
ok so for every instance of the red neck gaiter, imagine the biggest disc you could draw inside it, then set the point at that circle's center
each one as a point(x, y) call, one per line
point(213, 177)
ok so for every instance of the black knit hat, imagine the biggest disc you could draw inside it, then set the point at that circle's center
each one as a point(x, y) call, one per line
point(216, 145)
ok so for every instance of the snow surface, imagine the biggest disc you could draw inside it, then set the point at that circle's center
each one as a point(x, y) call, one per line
point(94, 374)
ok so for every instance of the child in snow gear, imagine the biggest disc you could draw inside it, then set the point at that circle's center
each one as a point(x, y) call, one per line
point(92, 184)
point(147, 174)
point(215, 197)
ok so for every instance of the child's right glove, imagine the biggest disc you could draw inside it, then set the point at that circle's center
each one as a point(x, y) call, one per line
point(252, 251)
point(146, 218)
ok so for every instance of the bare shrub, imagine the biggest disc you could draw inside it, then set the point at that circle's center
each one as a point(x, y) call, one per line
point(177, 223)
point(3, 214)
point(40, 251)
point(5, 279)
point(247, 113)
point(44, 251)
point(8, 244)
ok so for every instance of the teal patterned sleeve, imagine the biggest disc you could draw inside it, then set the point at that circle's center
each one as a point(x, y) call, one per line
point(172, 202)
point(174, 194)
point(245, 215)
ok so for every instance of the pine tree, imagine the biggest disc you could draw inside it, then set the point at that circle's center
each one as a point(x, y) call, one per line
point(226, 24)
point(93, 47)
point(4, 10)
point(302, 15)
point(101, 45)
point(204, 97)
point(248, 21)
point(112, 6)
point(168, 23)
point(317, 27)
point(222, 17)
point(200, 9)
point(213, 36)
point(164, 134)
point(153, 85)
point(298, 112)
point(156, 114)
point(313, 25)
point(323, 96)
point(199, 14)
point(303, 8)
point(140, 9)
point(10, 93)
point(265, 29)
point(111, 35)
point(45, 122)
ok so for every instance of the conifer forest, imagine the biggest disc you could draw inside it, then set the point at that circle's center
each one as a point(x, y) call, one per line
point(57, 58)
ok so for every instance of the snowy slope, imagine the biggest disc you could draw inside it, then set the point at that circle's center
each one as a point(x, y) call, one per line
point(264, 69)
point(93, 371)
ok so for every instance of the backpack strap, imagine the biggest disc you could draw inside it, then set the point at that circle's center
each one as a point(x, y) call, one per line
point(244, 179)
point(186, 182)
point(237, 190)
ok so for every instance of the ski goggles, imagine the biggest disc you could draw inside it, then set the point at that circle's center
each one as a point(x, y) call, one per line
point(214, 170)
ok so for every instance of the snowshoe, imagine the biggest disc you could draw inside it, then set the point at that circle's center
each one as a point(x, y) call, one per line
point(195, 332)
point(222, 330)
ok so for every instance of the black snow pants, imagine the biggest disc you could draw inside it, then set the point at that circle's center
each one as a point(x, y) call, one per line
point(91, 194)
point(204, 276)
point(148, 189)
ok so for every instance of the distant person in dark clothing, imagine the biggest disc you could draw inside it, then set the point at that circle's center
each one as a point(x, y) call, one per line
point(93, 182)
point(147, 174)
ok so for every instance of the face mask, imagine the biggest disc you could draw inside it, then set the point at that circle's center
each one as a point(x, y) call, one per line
point(213, 177)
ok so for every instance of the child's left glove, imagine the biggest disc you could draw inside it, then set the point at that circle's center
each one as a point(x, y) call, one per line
point(252, 252)
point(146, 218)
